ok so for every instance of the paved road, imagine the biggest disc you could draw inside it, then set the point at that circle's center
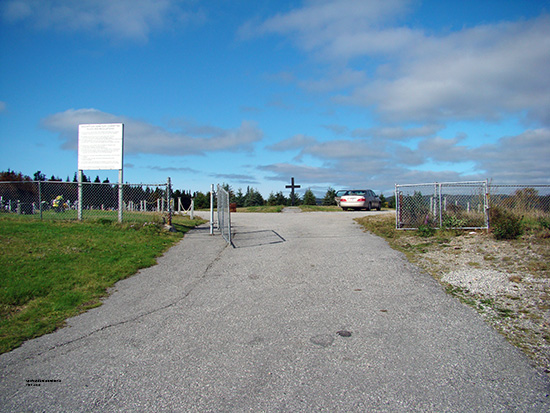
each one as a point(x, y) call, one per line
point(255, 328)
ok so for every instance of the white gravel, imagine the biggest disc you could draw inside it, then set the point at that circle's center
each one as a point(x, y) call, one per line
point(482, 281)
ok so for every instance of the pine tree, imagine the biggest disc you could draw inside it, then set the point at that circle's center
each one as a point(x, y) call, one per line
point(329, 197)
point(309, 198)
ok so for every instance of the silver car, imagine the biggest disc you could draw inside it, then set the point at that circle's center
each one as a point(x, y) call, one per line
point(358, 199)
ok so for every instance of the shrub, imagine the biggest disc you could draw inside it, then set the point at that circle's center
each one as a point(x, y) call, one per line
point(426, 231)
point(505, 225)
point(452, 221)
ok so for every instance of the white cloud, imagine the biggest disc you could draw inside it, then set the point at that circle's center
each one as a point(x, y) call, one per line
point(321, 22)
point(383, 162)
point(445, 150)
point(406, 75)
point(282, 172)
point(517, 159)
point(142, 137)
point(237, 178)
point(295, 142)
point(397, 132)
point(479, 73)
point(118, 19)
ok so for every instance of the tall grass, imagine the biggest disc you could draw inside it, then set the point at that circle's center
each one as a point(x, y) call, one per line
point(52, 270)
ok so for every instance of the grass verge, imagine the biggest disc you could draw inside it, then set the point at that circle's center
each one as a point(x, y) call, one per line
point(53, 270)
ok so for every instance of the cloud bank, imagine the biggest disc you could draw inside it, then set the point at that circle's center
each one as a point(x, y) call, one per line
point(482, 72)
point(143, 138)
point(120, 20)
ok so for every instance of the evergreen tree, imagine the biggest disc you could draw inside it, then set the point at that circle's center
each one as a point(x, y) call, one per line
point(239, 198)
point(309, 198)
point(253, 198)
point(277, 199)
point(271, 199)
point(329, 197)
point(202, 201)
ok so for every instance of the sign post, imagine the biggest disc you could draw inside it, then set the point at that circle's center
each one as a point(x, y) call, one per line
point(101, 146)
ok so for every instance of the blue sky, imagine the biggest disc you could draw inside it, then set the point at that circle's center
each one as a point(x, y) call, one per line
point(336, 93)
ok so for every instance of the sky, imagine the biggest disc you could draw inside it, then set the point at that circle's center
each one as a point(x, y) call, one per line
point(335, 93)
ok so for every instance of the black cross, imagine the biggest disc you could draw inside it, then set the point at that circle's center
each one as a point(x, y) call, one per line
point(292, 186)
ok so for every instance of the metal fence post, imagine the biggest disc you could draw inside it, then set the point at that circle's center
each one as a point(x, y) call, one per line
point(120, 195)
point(80, 195)
point(212, 210)
point(486, 202)
point(440, 213)
point(168, 199)
point(396, 207)
point(40, 198)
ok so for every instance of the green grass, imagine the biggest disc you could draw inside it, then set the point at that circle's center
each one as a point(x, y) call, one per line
point(263, 208)
point(312, 208)
point(52, 270)
point(72, 215)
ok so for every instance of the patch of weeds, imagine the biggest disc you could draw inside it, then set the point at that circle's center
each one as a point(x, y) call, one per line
point(474, 264)
point(452, 221)
point(515, 279)
point(505, 312)
point(537, 266)
point(461, 294)
point(425, 231)
point(487, 301)
point(422, 248)
point(383, 226)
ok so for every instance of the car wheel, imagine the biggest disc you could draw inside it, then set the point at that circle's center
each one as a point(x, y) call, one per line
point(369, 207)
point(379, 206)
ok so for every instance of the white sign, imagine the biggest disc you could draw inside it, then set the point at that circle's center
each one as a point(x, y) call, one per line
point(100, 146)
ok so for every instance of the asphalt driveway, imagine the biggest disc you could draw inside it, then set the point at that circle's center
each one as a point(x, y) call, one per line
point(306, 313)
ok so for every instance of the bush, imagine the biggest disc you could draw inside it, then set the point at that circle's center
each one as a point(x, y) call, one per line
point(426, 231)
point(505, 225)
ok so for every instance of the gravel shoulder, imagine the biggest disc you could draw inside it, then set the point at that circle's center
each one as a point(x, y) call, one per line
point(507, 282)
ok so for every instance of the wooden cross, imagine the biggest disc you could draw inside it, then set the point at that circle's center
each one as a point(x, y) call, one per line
point(292, 186)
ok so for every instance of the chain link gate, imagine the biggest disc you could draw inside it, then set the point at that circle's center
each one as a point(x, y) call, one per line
point(224, 217)
point(442, 205)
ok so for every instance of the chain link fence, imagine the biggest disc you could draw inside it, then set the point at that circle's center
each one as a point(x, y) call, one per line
point(439, 205)
point(466, 205)
point(224, 217)
point(86, 200)
point(532, 201)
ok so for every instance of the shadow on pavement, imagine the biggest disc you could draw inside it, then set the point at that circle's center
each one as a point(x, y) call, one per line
point(255, 238)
